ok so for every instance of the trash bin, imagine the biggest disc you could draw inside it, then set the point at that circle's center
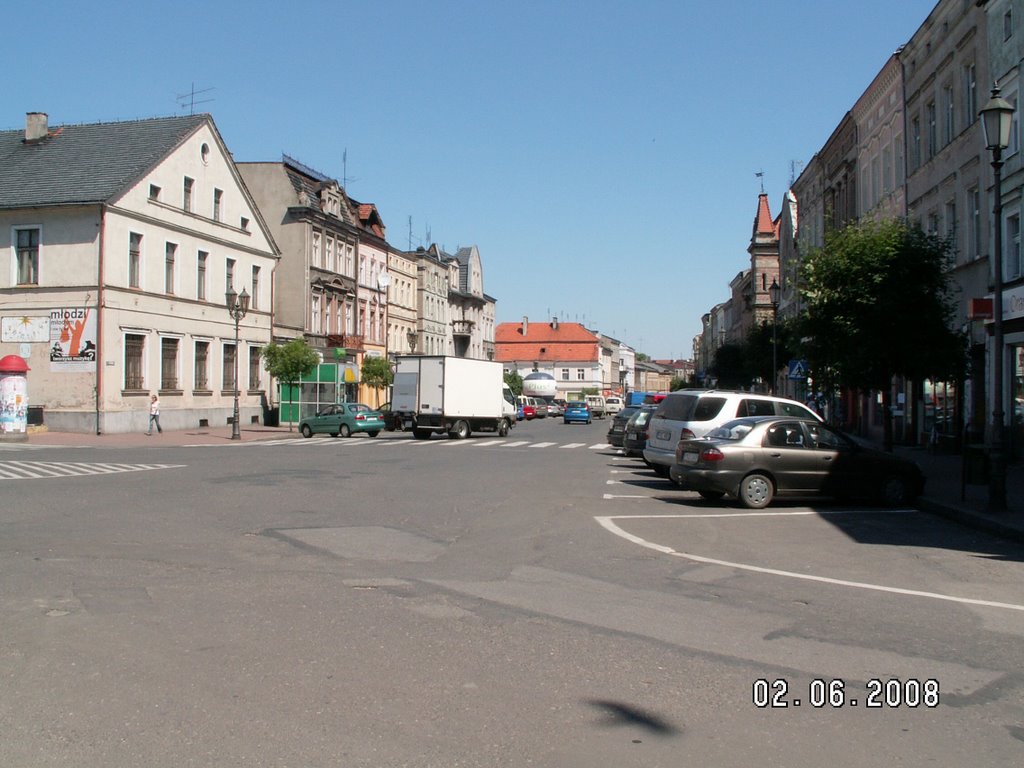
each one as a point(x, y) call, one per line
point(976, 464)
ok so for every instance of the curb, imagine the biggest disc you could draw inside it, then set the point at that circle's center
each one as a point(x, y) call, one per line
point(971, 519)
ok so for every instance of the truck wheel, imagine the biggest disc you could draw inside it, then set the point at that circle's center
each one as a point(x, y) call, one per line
point(503, 428)
point(421, 434)
point(460, 431)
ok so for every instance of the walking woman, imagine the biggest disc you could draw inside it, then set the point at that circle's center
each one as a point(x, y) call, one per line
point(154, 415)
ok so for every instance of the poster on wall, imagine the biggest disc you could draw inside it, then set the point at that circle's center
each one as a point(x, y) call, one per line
point(73, 340)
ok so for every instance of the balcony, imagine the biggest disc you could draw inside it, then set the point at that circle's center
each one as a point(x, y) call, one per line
point(462, 327)
point(347, 341)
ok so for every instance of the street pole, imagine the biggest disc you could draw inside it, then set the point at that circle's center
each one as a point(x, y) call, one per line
point(773, 294)
point(996, 121)
point(238, 306)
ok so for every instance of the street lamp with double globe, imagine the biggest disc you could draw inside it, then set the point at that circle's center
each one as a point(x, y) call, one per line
point(996, 121)
point(773, 295)
point(238, 305)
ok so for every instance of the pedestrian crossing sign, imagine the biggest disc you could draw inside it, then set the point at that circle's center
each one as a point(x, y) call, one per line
point(798, 369)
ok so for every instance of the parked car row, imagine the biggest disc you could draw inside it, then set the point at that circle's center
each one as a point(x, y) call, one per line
point(756, 448)
point(344, 419)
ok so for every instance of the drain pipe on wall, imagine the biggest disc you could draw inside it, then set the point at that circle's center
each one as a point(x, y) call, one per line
point(99, 317)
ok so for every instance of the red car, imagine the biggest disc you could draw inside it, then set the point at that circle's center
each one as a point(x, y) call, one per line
point(529, 409)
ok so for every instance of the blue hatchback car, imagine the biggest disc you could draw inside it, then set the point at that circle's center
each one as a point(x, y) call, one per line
point(576, 411)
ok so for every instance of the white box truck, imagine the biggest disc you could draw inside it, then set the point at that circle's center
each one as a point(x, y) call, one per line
point(451, 394)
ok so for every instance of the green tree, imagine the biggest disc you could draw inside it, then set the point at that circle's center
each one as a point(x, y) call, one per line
point(289, 362)
point(730, 366)
point(376, 374)
point(878, 303)
point(642, 358)
point(515, 382)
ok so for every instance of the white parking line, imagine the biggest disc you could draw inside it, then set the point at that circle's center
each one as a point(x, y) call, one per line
point(609, 524)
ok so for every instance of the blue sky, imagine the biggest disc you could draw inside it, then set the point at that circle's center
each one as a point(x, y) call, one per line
point(602, 155)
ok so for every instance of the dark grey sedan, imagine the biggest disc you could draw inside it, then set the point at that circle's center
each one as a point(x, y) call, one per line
point(756, 459)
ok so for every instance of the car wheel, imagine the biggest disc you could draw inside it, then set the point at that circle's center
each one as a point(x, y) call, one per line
point(344, 431)
point(756, 491)
point(895, 492)
point(711, 495)
point(503, 428)
point(373, 433)
point(460, 431)
point(306, 431)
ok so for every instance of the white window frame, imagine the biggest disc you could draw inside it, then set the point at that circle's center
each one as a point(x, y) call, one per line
point(14, 253)
point(171, 278)
point(195, 366)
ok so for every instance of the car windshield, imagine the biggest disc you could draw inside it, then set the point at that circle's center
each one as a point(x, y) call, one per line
point(732, 430)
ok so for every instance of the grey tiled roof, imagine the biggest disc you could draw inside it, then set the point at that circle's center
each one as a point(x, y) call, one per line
point(85, 163)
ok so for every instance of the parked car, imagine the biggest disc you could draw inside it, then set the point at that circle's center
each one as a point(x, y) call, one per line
point(576, 412)
point(554, 409)
point(540, 407)
point(612, 405)
point(520, 413)
point(688, 413)
point(756, 459)
point(617, 429)
point(635, 438)
point(596, 403)
point(529, 409)
point(343, 419)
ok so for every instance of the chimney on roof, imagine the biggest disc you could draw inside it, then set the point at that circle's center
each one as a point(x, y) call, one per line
point(554, 323)
point(526, 324)
point(36, 126)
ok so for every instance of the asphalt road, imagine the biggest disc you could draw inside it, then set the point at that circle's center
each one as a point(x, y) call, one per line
point(531, 601)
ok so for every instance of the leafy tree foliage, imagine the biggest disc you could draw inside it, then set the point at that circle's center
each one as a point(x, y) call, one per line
point(376, 373)
point(515, 382)
point(878, 303)
point(289, 362)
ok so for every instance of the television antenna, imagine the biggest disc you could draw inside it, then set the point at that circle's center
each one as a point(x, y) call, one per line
point(188, 100)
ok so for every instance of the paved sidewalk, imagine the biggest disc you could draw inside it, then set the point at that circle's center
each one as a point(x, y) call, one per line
point(944, 493)
point(198, 436)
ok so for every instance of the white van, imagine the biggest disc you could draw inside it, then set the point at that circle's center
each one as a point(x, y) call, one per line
point(596, 403)
point(612, 405)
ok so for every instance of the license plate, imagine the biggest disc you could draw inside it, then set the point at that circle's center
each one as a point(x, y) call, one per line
point(690, 457)
point(663, 434)
point(631, 435)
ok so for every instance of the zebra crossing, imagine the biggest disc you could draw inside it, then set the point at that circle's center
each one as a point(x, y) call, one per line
point(360, 443)
point(34, 470)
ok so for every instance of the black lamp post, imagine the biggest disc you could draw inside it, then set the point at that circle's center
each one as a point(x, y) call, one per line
point(996, 120)
point(238, 305)
point(773, 295)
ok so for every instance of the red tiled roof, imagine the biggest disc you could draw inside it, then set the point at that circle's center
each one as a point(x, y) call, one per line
point(549, 352)
point(512, 333)
point(763, 225)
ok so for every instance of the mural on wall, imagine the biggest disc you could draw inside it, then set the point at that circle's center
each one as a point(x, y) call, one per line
point(73, 340)
point(25, 329)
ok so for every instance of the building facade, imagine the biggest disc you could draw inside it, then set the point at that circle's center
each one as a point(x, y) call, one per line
point(119, 242)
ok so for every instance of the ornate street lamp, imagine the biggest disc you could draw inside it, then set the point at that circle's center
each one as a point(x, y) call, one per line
point(996, 121)
point(773, 295)
point(238, 305)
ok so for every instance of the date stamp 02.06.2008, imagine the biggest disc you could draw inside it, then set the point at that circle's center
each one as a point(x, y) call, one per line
point(836, 693)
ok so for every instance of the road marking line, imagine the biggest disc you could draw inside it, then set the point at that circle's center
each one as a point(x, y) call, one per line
point(599, 446)
point(541, 445)
point(518, 442)
point(616, 496)
point(607, 523)
point(573, 445)
point(489, 443)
